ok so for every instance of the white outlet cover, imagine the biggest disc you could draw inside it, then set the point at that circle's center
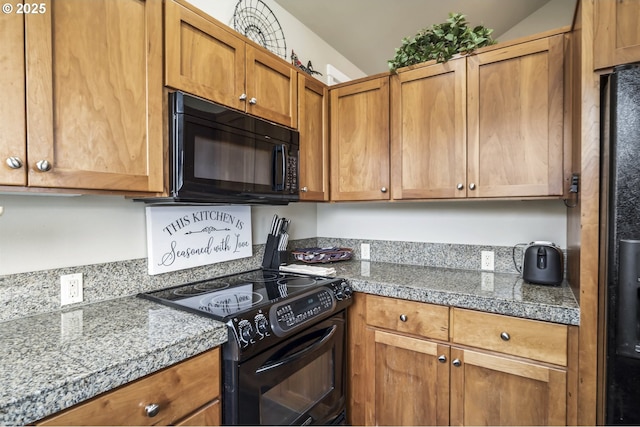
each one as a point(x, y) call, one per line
point(70, 288)
point(365, 251)
point(487, 260)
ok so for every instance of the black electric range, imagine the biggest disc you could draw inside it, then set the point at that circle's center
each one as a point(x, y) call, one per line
point(261, 307)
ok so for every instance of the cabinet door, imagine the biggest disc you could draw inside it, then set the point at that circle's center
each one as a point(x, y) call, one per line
point(94, 98)
point(515, 120)
point(203, 58)
point(617, 39)
point(13, 138)
point(497, 390)
point(428, 132)
point(271, 87)
point(411, 384)
point(313, 107)
point(360, 140)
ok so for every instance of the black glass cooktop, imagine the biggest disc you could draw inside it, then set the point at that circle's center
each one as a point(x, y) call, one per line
point(226, 296)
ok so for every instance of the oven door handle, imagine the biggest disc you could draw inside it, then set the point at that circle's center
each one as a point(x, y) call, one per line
point(271, 364)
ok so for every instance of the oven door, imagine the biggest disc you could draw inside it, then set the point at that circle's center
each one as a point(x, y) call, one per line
point(298, 382)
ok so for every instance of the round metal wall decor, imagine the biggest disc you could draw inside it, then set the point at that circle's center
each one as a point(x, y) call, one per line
point(256, 21)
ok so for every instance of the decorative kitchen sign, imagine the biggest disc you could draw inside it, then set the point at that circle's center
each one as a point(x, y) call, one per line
point(191, 236)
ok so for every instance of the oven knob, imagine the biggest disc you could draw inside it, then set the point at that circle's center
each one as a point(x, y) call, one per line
point(247, 332)
point(346, 290)
point(262, 325)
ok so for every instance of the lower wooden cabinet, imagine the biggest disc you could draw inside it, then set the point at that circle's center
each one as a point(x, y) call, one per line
point(187, 393)
point(410, 383)
point(407, 370)
point(491, 389)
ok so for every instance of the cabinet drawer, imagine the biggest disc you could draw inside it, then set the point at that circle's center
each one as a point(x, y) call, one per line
point(546, 342)
point(426, 320)
point(178, 390)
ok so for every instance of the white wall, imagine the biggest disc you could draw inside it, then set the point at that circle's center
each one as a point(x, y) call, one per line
point(554, 14)
point(307, 45)
point(495, 223)
point(44, 232)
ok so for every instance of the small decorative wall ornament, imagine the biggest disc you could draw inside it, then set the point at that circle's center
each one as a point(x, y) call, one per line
point(256, 21)
point(298, 64)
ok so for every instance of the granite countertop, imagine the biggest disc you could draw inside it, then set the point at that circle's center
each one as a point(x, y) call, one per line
point(55, 360)
point(502, 293)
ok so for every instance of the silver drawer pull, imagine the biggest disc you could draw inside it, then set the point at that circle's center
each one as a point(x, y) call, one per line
point(152, 409)
point(43, 166)
point(505, 336)
point(456, 363)
point(403, 317)
point(442, 358)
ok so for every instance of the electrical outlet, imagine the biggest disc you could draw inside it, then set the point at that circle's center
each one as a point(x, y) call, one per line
point(70, 288)
point(486, 262)
point(365, 251)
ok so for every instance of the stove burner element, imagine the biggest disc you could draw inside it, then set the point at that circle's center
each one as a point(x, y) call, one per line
point(260, 276)
point(186, 291)
point(212, 286)
point(297, 282)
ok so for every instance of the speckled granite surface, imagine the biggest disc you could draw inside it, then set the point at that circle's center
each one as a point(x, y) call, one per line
point(501, 293)
point(54, 360)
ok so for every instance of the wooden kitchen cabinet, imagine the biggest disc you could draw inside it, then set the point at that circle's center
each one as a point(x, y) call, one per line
point(490, 389)
point(187, 393)
point(206, 58)
point(488, 125)
point(617, 39)
point(359, 139)
point(413, 363)
point(313, 114)
point(13, 135)
point(94, 98)
point(515, 120)
point(429, 131)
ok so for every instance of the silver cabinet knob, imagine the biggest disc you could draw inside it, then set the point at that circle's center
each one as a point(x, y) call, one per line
point(442, 358)
point(43, 165)
point(456, 363)
point(403, 317)
point(152, 409)
point(243, 97)
point(472, 186)
point(304, 189)
point(505, 336)
point(383, 189)
point(14, 162)
point(460, 186)
point(253, 101)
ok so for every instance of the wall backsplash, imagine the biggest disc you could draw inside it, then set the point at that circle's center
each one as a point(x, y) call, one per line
point(27, 294)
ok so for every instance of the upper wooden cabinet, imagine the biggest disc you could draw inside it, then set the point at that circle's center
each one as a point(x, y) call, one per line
point(313, 113)
point(515, 120)
point(93, 96)
point(360, 140)
point(13, 135)
point(487, 125)
point(617, 35)
point(207, 59)
point(429, 131)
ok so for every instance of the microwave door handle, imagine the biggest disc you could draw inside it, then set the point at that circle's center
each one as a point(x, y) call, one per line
point(279, 167)
point(272, 364)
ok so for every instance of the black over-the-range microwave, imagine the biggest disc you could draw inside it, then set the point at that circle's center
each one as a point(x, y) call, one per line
point(220, 155)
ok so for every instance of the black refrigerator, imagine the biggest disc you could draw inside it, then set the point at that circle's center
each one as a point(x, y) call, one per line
point(620, 243)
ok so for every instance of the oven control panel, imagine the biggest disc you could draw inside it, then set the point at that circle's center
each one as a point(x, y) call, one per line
point(292, 313)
